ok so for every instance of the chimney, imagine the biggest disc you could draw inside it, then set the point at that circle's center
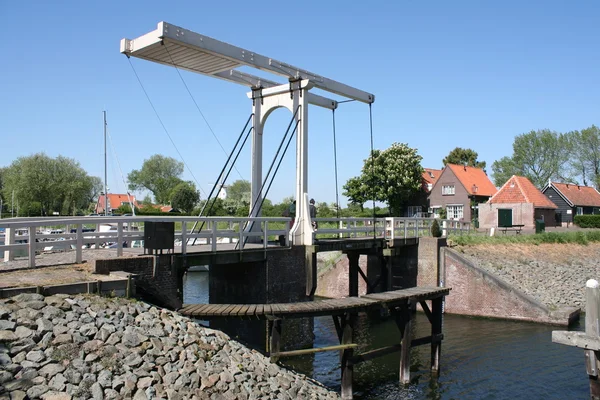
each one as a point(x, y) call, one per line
point(465, 167)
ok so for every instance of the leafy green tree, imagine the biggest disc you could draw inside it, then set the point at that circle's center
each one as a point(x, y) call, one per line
point(59, 185)
point(586, 154)
point(159, 175)
point(392, 176)
point(239, 192)
point(184, 197)
point(462, 156)
point(538, 155)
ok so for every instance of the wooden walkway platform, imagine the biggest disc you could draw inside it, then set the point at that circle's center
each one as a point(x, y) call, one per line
point(312, 308)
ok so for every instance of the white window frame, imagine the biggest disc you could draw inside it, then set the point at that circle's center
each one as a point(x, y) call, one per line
point(435, 211)
point(455, 212)
point(448, 190)
point(412, 210)
point(579, 210)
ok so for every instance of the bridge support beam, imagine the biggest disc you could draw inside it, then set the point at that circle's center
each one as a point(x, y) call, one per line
point(294, 97)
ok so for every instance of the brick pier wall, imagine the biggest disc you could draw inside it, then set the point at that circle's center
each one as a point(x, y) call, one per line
point(156, 280)
point(478, 293)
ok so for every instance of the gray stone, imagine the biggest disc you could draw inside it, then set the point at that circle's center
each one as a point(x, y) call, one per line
point(7, 325)
point(34, 305)
point(73, 376)
point(91, 357)
point(144, 383)
point(170, 378)
point(5, 376)
point(7, 336)
point(13, 368)
point(118, 382)
point(18, 395)
point(5, 359)
point(51, 312)
point(92, 345)
point(133, 360)
point(62, 338)
point(36, 356)
point(4, 311)
point(173, 395)
point(49, 370)
point(105, 378)
point(131, 340)
point(111, 394)
point(30, 364)
point(58, 382)
point(140, 395)
point(23, 297)
point(88, 330)
point(37, 391)
point(44, 325)
point(52, 395)
point(97, 392)
point(18, 384)
point(27, 373)
point(60, 329)
point(23, 332)
point(46, 340)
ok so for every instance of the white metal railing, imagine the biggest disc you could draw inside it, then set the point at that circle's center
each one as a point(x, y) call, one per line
point(31, 235)
point(34, 234)
point(388, 228)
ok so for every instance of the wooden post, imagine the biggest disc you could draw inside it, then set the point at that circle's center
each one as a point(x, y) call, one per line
point(32, 246)
point(311, 270)
point(436, 329)
point(353, 258)
point(274, 348)
point(346, 355)
point(592, 319)
point(405, 328)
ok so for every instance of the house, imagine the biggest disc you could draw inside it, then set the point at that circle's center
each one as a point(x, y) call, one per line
point(430, 177)
point(460, 189)
point(114, 201)
point(572, 200)
point(518, 202)
point(419, 201)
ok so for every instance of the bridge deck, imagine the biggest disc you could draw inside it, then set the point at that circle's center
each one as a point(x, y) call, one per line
point(312, 308)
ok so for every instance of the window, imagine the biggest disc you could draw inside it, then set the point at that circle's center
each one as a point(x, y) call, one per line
point(454, 212)
point(429, 187)
point(435, 211)
point(579, 210)
point(447, 190)
point(414, 211)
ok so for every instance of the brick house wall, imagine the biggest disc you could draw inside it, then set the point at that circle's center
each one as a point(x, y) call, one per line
point(460, 196)
point(523, 214)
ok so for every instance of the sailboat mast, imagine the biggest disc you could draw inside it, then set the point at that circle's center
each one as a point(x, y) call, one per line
point(105, 174)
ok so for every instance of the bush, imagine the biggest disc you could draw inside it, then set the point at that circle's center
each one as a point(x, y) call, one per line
point(435, 229)
point(587, 221)
point(443, 213)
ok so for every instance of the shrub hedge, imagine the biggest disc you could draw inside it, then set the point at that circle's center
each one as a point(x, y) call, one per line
point(587, 221)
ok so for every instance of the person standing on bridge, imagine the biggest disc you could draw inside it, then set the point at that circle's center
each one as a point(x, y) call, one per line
point(313, 213)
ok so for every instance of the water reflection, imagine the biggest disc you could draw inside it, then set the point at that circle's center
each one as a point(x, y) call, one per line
point(481, 359)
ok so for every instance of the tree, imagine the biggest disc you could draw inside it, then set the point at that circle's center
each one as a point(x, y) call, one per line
point(462, 156)
point(159, 175)
point(392, 176)
point(538, 155)
point(239, 192)
point(184, 197)
point(586, 154)
point(58, 185)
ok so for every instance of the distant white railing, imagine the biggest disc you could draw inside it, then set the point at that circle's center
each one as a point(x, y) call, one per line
point(387, 228)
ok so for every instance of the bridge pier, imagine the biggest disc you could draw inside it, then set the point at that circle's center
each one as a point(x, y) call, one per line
point(279, 277)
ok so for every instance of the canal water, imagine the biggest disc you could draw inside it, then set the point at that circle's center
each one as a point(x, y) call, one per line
point(481, 359)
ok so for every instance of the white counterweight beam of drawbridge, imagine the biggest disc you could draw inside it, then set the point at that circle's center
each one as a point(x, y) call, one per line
point(202, 54)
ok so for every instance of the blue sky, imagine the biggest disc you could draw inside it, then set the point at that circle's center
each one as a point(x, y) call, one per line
point(445, 74)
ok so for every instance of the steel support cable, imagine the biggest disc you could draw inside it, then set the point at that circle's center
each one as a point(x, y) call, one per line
point(196, 103)
point(372, 168)
point(337, 195)
point(163, 125)
point(273, 178)
point(223, 182)
point(220, 179)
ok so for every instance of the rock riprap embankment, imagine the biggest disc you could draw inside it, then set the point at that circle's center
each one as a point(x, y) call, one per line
point(87, 347)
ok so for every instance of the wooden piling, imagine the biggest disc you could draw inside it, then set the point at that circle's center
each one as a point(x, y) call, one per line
point(275, 344)
point(436, 329)
point(353, 258)
point(346, 356)
point(404, 323)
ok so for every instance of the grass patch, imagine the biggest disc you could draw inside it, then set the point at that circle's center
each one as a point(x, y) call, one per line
point(578, 237)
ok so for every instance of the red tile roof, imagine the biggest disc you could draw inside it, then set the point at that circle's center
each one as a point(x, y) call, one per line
point(115, 201)
point(578, 195)
point(430, 177)
point(475, 181)
point(519, 189)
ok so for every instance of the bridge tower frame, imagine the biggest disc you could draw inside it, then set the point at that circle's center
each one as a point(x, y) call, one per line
point(177, 47)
